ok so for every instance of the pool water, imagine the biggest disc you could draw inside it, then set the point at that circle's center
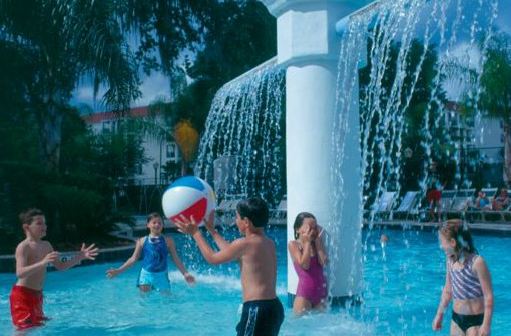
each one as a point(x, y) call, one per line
point(403, 284)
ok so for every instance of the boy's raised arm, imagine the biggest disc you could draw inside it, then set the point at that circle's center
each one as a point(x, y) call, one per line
point(230, 252)
point(86, 252)
point(210, 226)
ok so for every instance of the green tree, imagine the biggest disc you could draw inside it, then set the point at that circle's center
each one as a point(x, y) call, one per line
point(495, 97)
point(63, 41)
point(239, 35)
point(426, 98)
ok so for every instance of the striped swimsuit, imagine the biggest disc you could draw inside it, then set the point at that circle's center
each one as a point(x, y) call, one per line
point(465, 286)
point(464, 281)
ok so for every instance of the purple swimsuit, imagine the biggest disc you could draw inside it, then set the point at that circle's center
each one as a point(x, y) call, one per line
point(311, 282)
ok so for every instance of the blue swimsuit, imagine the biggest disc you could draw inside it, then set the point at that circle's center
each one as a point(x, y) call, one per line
point(154, 270)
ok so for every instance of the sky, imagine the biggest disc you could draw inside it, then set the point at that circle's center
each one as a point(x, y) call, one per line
point(157, 85)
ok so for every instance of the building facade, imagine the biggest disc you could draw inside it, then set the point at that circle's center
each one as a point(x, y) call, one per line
point(160, 154)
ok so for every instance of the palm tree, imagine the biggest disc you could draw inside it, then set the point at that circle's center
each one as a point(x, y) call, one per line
point(63, 41)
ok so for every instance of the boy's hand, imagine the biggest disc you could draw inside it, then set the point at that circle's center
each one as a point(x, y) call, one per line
point(185, 225)
point(51, 257)
point(90, 252)
point(210, 221)
point(189, 278)
point(112, 272)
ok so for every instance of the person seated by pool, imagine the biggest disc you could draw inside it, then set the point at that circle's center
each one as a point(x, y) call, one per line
point(154, 249)
point(501, 201)
point(262, 312)
point(467, 281)
point(32, 258)
point(309, 258)
point(482, 202)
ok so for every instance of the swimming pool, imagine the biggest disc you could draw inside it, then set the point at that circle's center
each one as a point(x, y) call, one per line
point(403, 284)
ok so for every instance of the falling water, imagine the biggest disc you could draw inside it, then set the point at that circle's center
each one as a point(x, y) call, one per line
point(403, 39)
point(244, 137)
point(386, 100)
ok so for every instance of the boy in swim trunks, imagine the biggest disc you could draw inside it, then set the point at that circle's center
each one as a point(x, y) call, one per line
point(262, 313)
point(154, 248)
point(32, 257)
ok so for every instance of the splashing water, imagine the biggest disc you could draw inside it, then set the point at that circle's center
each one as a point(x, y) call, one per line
point(244, 127)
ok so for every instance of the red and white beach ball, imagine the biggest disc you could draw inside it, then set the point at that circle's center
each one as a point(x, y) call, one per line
point(188, 196)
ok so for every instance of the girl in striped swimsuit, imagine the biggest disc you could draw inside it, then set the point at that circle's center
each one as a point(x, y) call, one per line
point(467, 281)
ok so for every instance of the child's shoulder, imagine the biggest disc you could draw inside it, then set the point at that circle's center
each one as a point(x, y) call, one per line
point(293, 243)
point(141, 240)
point(24, 245)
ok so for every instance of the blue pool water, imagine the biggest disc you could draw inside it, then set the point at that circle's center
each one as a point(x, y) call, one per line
point(403, 284)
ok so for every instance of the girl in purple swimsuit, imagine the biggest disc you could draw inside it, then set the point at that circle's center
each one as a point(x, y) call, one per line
point(309, 258)
point(467, 281)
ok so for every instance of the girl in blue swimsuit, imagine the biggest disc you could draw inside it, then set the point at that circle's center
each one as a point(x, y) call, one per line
point(154, 249)
point(467, 281)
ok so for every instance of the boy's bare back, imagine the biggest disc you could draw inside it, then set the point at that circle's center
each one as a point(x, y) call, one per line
point(258, 265)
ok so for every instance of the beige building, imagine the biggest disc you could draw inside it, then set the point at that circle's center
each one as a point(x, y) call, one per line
point(158, 152)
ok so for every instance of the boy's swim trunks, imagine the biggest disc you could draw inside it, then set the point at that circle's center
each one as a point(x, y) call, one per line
point(26, 307)
point(261, 318)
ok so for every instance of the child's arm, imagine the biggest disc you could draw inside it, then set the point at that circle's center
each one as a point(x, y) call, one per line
point(112, 272)
point(232, 251)
point(90, 252)
point(173, 253)
point(302, 258)
point(23, 269)
point(444, 302)
point(210, 226)
point(485, 279)
point(320, 247)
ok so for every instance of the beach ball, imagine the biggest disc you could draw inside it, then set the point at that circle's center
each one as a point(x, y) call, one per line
point(188, 196)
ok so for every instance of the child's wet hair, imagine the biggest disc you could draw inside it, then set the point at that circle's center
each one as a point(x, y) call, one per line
point(151, 216)
point(27, 216)
point(299, 221)
point(255, 209)
point(458, 230)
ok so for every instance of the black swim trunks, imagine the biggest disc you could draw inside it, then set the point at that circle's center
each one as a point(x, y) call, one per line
point(261, 318)
point(467, 321)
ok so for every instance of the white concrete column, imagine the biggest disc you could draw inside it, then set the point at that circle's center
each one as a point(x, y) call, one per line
point(310, 92)
point(309, 46)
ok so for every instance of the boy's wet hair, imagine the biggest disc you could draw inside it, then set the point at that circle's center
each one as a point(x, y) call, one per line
point(27, 216)
point(151, 216)
point(255, 209)
point(299, 221)
point(457, 230)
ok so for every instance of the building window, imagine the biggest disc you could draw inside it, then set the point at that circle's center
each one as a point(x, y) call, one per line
point(107, 126)
point(171, 151)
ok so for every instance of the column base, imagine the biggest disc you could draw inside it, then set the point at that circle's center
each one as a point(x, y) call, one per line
point(336, 301)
